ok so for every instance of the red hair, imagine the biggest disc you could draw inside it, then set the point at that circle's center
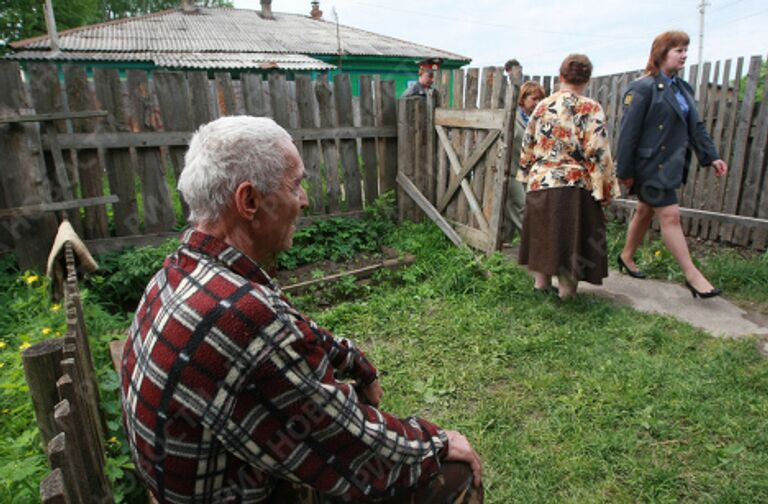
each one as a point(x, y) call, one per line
point(661, 46)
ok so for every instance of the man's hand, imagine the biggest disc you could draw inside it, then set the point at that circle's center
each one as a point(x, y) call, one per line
point(627, 182)
point(460, 450)
point(721, 167)
point(372, 393)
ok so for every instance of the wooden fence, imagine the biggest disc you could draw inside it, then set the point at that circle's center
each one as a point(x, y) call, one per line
point(736, 116)
point(62, 385)
point(113, 146)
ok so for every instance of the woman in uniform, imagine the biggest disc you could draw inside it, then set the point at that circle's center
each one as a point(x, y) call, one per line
point(659, 128)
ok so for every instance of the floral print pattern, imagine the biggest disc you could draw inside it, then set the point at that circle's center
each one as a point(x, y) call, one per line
point(566, 145)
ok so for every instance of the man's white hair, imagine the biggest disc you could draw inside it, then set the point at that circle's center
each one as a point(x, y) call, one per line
point(227, 152)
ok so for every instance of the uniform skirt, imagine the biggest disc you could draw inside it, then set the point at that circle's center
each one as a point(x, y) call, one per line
point(564, 234)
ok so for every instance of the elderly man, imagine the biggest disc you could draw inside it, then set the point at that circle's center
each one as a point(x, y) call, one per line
point(231, 395)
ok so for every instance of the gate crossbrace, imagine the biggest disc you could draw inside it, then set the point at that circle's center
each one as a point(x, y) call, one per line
point(410, 188)
point(456, 167)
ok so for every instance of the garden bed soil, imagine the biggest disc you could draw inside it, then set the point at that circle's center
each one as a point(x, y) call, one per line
point(320, 269)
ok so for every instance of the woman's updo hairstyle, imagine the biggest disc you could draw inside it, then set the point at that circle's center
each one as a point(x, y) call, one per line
point(576, 69)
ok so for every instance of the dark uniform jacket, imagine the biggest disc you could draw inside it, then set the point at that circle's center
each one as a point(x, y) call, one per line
point(656, 137)
point(415, 89)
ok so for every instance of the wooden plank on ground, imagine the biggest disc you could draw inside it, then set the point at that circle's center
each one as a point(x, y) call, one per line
point(157, 205)
point(754, 198)
point(90, 170)
point(118, 161)
point(324, 96)
point(368, 145)
point(737, 169)
point(305, 95)
point(351, 175)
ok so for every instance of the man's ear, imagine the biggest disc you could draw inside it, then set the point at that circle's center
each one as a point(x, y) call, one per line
point(247, 200)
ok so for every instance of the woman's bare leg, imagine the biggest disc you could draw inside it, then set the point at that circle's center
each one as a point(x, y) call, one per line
point(541, 281)
point(674, 239)
point(638, 226)
point(567, 286)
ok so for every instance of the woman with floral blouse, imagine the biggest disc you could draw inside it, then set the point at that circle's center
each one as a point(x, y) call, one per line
point(566, 161)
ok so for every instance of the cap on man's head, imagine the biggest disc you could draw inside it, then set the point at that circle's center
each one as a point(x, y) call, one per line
point(430, 65)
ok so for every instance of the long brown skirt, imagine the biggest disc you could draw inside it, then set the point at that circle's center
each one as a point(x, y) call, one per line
point(564, 234)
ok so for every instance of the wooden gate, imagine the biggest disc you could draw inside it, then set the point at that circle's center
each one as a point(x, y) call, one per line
point(462, 186)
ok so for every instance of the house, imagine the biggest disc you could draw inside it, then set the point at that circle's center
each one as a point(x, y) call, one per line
point(235, 41)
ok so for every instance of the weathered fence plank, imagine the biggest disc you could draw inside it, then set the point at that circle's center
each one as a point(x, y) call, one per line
point(159, 214)
point(753, 191)
point(305, 96)
point(23, 175)
point(342, 90)
point(118, 161)
point(253, 94)
point(324, 96)
point(737, 172)
point(225, 94)
point(41, 370)
point(388, 117)
point(368, 146)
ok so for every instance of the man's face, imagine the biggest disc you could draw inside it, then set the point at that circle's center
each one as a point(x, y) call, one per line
point(280, 210)
point(426, 79)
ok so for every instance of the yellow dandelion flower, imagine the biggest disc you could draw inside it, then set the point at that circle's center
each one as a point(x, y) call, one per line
point(2, 345)
point(657, 253)
point(6, 411)
point(58, 333)
point(24, 346)
point(55, 307)
point(112, 440)
point(2, 364)
point(46, 331)
point(31, 279)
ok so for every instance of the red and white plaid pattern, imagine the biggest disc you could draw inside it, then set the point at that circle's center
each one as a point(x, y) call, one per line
point(226, 387)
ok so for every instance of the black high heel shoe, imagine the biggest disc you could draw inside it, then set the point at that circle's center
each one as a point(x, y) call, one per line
point(713, 293)
point(622, 266)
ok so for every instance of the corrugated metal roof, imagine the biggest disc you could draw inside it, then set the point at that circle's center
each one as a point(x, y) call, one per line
point(218, 60)
point(225, 30)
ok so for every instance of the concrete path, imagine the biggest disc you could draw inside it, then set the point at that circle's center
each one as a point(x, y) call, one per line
point(717, 316)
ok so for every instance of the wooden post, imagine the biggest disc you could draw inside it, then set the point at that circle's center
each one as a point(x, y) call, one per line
point(53, 490)
point(64, 460)
point(41, 370)
point(253, 94)
point(225, 94)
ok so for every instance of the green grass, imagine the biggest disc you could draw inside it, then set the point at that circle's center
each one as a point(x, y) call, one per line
point(581, 401)
point(741, 273)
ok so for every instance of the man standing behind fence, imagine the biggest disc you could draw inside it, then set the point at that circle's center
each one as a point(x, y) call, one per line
point(427, 69)
point(229, 393)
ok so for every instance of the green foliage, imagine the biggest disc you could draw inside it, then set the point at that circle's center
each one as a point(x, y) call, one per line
point(339, 238)
point(122, 276)
point(760, 84)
